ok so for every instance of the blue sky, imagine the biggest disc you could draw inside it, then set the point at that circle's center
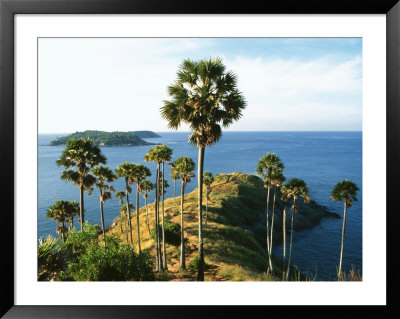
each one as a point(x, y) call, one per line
point(290, 84)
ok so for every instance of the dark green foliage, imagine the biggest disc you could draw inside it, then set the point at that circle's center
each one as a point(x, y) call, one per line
point(50, 259)
point(346, 191)
point(104, 138)
point(145, 134)
point(172, 233)
point(90, 261)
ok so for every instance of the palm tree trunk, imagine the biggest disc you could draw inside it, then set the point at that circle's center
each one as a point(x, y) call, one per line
point(272, 230)
point(341, 246)
point(62, 232)
point(147, 214)
point(205, 223)
point(72, 223)
point(284, 243)
point(291, 239)
point(200, 275)
point(102, 217)
point(182, 265)
point(128, 215)
point(81, 207)
point(126, 230)
point(158, 268)
point(163, 225)
point(174, 195)
point(268, 243)
point(121, 224)
point(137, 217)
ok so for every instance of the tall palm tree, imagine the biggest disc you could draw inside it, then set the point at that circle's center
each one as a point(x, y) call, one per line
point(124, 170)
point(155, 155)
point(268, 165)
point(121, 195)
point(277, 180)
point(344, 191)
point(104, 175)
point(166, 154)
point(208, 179)
point(294, 189)
point(78, 157)
point(204, 96)
point(183, 167)
point(174, 176)
point(60, 212)
point(147, 187)
point(139, 173)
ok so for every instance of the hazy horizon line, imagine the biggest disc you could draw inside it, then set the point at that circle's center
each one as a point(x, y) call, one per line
point(249, 131)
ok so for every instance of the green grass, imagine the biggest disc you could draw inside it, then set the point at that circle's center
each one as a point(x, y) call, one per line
point(234, 240)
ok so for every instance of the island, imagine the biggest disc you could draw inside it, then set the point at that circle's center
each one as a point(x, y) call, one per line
point(145, 134)
point(103, 138)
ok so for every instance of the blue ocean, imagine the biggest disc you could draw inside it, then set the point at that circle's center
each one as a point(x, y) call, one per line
point(321, 159)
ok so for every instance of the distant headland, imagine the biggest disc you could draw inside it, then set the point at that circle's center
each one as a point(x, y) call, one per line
point(102, 138)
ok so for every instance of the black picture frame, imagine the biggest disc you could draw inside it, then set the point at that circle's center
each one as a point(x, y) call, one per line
point(8, 8)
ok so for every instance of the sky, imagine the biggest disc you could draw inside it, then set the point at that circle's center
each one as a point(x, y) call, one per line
point(119, 84)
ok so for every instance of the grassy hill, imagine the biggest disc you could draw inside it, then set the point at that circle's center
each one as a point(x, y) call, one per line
point(234, 238)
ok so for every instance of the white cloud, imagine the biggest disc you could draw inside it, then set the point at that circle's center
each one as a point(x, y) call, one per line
point(300, 95)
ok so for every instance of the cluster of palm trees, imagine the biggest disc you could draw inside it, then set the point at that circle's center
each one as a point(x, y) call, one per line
point(62, 212)
point(270, 169)
point(77, 154)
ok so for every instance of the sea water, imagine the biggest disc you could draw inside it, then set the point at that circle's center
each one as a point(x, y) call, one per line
point(321, 159)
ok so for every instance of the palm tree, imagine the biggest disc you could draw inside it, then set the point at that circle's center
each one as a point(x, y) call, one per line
point(277, 180)
point(74, 211)
point(165, 156)
point(139, 173)
point(104, 175)
point(205, 96)
point(268, 165)
point(208, 179)
point(147, 187)
point(125, 170)
point(344, 191)
point(60, 212)
point(183, 168)
point(294, 189)
point(174, 177)
point(155, 155)
point(80, 155)
point(121, 195)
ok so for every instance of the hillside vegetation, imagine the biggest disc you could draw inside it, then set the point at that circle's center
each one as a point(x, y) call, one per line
point(145, 134)
point(234, 236)
point(102, 138)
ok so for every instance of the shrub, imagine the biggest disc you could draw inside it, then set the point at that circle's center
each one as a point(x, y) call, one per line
point(90, 261)
point(50, 258)
point(172, 233)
